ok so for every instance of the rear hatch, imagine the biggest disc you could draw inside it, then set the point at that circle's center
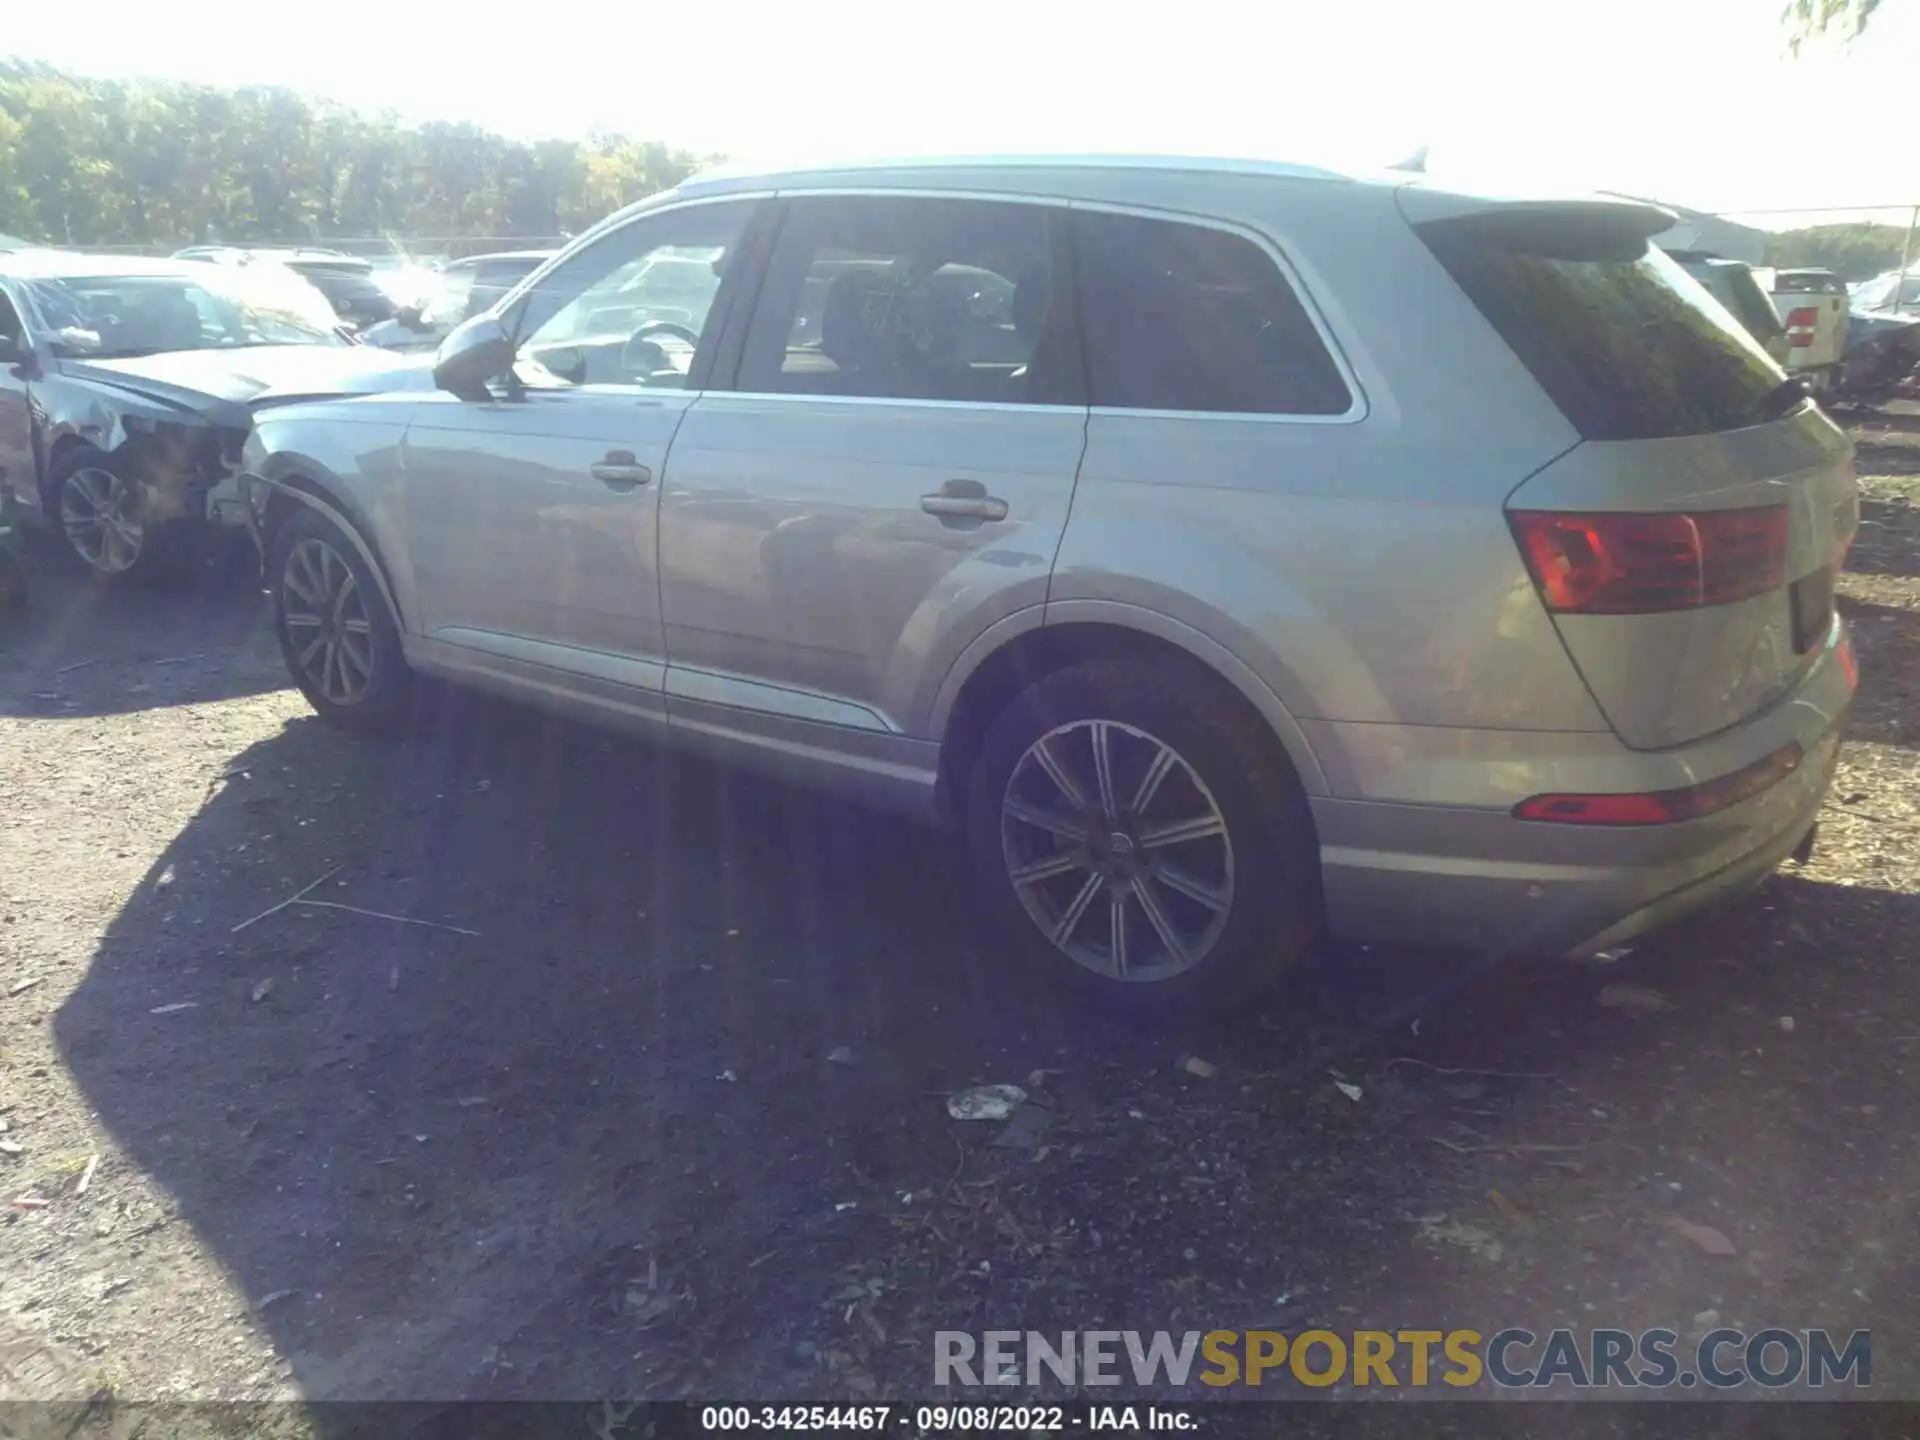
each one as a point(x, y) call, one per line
point(1687, 546)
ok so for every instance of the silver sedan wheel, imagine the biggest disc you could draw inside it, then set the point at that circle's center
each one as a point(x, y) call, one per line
point(1118, 851)
point(101, 514)
point(326, 619)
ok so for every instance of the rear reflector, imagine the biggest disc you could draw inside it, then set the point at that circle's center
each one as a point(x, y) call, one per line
point(1664, 807)
point(1609, 563)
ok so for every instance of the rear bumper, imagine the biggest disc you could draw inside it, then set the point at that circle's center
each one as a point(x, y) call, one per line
point(1476, 878)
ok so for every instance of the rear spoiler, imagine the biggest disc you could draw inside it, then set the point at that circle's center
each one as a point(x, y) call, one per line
point(1578, 228)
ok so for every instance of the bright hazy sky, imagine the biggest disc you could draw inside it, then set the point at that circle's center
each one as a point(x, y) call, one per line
point(1690, 101)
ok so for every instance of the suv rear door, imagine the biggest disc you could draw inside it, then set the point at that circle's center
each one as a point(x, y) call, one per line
point(1687, 546)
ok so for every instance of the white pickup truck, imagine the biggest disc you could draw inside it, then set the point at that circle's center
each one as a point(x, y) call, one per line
point(1813, 305)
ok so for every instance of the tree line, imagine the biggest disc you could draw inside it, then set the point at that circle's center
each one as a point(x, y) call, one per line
point(87, 161)
point(163, 163)
point(1853, 252)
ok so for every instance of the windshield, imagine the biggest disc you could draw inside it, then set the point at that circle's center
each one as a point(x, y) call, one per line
point(104, 317)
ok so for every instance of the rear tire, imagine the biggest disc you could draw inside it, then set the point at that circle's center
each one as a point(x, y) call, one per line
point(340, 640)
point(1139, 837)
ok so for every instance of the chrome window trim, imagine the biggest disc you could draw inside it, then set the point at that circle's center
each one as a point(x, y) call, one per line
point(1355, 412)
point(764, 395)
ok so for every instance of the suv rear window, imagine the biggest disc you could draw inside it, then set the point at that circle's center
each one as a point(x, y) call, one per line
point(1625, 342)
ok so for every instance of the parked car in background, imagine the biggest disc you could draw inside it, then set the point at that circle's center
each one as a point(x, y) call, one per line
point(347, 281)
point(1893, 293)
point(1733, 284)
point(1883, 353)
point(125, 387)
point(466, 288)
point(1813, 305)
point(405, 279)
point(1126, 515)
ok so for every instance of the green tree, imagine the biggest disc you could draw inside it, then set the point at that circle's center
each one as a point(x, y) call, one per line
point(159, 163)
point(1844, 19)
point(1853, 252)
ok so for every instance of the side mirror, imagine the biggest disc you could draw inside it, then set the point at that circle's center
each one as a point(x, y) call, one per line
point(476, 352)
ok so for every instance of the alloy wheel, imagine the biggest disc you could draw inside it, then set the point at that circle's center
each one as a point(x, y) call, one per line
point(100, 513)
point(328, 634)
point(1118, 850)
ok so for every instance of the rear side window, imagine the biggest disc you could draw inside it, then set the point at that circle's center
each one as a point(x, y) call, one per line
point(1627, 344)
point(1185, 317)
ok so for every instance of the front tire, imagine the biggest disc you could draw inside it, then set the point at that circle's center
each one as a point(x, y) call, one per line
point(1141, 838)
point(337, 635)
point(100, 512)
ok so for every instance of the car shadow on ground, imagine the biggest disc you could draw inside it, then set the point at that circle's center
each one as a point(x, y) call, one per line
point(672, 1121)
point(82, 649)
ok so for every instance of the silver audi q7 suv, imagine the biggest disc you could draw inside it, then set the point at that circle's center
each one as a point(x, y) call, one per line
point(1234, 552)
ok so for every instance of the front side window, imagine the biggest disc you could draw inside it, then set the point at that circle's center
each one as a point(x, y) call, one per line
point(913, 298)
point(1178, 316)
point(631, 307)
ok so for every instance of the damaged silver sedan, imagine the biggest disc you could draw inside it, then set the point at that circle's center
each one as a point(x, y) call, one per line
point(126, 392)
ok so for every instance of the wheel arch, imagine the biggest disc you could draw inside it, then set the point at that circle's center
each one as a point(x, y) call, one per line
point(1029, 645)
point(63, 444)
point(291, 485)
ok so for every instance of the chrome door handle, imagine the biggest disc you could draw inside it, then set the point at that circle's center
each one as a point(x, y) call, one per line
point(964, 500)
point(620, 470)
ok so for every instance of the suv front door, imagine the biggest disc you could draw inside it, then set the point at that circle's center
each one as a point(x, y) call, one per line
point(532, 514)
point(890, 476)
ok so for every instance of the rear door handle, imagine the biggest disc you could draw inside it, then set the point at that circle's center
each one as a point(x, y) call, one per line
point(964, 500)
point(621, 470)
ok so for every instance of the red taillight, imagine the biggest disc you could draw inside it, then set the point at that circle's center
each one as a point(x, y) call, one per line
point(1801, 323)
point(1664, 807)
point(1638, 564)
point(1849, 662)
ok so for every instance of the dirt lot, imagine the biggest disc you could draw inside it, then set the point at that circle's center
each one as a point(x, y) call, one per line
point(672, 1121)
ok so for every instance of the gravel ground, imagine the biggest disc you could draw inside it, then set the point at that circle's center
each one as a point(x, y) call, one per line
point(671, 1123)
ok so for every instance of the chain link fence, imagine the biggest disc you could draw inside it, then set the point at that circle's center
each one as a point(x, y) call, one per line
point(1904, 218)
